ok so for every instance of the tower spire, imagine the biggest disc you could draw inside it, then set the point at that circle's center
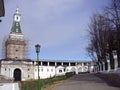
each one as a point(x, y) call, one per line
point(16, 29)
point(17, 10)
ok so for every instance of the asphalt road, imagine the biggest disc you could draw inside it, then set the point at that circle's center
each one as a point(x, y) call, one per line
point(84, 82)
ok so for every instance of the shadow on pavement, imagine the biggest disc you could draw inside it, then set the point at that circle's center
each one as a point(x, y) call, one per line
point(111, 79)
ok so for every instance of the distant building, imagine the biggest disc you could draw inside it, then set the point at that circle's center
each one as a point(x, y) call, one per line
point(16, 66)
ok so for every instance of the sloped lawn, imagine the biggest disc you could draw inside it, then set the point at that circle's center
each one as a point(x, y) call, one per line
point(33, 84)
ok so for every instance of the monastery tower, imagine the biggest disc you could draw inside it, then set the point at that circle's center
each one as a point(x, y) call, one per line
point(15, 45)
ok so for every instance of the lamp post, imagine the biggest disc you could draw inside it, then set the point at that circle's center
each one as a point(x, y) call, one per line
point(37, 47)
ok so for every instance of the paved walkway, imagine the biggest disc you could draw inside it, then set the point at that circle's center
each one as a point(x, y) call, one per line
point(84, 82)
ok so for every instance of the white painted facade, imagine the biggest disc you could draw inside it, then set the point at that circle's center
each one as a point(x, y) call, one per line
point(45, 72)
point(29, 69)
point(60, 70)
point(8, 69)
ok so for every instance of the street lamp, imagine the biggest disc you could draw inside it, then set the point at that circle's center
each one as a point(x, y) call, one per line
point(37, 48)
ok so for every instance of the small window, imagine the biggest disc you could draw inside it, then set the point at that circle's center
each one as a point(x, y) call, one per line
point(60, 71)
point(51, 70)
point(41, 69)
point(5, 69)
point(47, 70)
point(16, 24)
point(28, 76)
point(85, 64)
point(17, 17)
point(16, 29)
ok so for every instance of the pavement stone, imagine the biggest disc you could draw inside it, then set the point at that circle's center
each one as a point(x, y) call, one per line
point(84, 82)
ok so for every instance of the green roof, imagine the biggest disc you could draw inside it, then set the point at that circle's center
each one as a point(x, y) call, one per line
point(16, 28)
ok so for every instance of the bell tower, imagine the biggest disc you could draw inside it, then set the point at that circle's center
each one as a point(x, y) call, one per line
point(15, 45)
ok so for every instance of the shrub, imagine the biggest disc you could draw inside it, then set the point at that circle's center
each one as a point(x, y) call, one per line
point(69, 74)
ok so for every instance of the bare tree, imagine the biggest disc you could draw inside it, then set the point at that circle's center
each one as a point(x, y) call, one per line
point(97, 32)
point(113, 12)
point(104, 31)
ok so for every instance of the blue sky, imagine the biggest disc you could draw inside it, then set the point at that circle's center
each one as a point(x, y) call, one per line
point(59, 26)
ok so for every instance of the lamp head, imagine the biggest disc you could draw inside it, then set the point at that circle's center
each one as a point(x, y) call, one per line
point(37, 47)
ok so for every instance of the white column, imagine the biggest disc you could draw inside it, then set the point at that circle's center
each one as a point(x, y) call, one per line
point(103, 66)
point(35, 63)
point(41, 63)
point(100, 66)
point(116, 63)
point(108, 64)
point(76, 69)
point(62, 63)
point(55, 63)
point(82, 66)
point(115, 60)
point(48, 63)
point(69, 63)
point(76, 63)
